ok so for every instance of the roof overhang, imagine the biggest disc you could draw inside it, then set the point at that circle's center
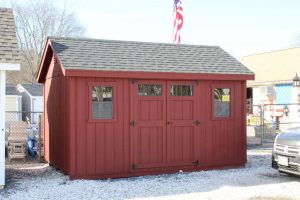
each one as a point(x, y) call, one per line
point(46, 59)
point(265, 83)
point(157, 75)
point(9, 66)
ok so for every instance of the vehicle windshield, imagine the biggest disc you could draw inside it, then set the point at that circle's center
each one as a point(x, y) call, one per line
point(293, 130)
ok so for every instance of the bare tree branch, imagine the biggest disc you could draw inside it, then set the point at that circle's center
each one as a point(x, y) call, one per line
point(35, 21)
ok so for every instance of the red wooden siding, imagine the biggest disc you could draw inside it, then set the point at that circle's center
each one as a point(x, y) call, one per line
point(182, 130)
point(164, 136)
point(224, 138)
point(99, 147)
point(148, 136)
point(55, 132)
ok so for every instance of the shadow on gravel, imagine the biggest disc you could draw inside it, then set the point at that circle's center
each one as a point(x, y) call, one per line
point(18, 173)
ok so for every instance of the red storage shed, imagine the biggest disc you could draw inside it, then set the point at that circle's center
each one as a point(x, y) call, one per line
point(122, 108)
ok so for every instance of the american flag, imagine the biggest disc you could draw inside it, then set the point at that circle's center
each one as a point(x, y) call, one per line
point(178, 21)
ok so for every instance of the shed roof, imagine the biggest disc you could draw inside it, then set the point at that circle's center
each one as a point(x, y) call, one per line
point(34, 89)
point(11, 90)
point(111, 55)
point(9, 52)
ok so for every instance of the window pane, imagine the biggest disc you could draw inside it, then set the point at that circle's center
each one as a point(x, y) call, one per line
point(181, 90)
point(102, 102)
point(222, 102)
point(149, 90)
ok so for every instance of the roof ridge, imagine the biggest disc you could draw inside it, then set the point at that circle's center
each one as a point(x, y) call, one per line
point(130, 41)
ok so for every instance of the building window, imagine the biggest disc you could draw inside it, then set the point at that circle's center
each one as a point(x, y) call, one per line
point(150, 90)
point(181, 90)
point(102, 102)
point(221, 102)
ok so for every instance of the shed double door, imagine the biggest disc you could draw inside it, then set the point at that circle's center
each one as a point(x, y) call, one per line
point(163, 124)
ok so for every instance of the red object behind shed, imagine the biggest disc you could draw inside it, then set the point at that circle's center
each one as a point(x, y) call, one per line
point(119, 109)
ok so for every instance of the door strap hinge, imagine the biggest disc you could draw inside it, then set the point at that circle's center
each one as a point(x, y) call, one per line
point(197, 122)
point(133, 123)
point(196, 162)
point(133, 81)
point(134, 166)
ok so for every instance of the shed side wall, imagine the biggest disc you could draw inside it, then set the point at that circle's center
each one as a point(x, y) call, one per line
point(55, 130)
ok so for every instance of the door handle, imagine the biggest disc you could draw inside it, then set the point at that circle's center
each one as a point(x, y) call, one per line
point(168, 122)
point(133, 123)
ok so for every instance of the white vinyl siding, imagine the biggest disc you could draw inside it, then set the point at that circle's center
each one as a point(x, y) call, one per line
point(13, 108)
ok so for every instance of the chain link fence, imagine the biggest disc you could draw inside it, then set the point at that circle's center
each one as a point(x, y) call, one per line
point(24, 138)
point(265, 121)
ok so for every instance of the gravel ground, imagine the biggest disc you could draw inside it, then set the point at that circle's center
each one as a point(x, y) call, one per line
point(257, 181)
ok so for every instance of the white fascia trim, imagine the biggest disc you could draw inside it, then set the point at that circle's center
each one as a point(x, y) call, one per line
point(23, 90)
point(9, 95)
point(10, 66)
point(267, 83)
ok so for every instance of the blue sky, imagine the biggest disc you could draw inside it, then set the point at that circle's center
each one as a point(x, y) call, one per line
point(241, 27)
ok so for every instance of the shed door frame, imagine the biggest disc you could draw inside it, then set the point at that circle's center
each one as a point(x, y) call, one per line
point(167, 124)
point(138, 126)
point(183, 126)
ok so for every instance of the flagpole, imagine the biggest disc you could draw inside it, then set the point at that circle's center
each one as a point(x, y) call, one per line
point(173, 18)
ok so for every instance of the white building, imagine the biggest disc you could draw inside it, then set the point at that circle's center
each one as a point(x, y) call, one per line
point(32, 100)
point(9, 60)
point(273, 84)
point(13, 104)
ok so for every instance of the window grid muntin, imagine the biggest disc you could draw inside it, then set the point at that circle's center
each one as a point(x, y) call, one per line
point(150, 90)
point(102, 102)
point(222, 102)
point(181, 90)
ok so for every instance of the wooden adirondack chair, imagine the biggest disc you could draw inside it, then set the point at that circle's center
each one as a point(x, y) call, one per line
point(17, 141)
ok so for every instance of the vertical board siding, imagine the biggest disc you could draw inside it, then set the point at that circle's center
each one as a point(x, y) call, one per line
point(72, 129)
point(243, 89)
point(225, 138)
point(91, 149)
point(126, 129)
point(81, 153)
point(119, 130)
point(55, 140)
point(46, 130)
point(100, 145)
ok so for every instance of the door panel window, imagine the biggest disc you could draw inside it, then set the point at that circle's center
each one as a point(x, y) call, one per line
point(150, 90)
point(181, 90)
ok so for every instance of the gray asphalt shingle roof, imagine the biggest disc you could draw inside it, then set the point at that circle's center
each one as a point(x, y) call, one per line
point(11, 90)
point(9, 52)
point(34, 89)
point(110, 55)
